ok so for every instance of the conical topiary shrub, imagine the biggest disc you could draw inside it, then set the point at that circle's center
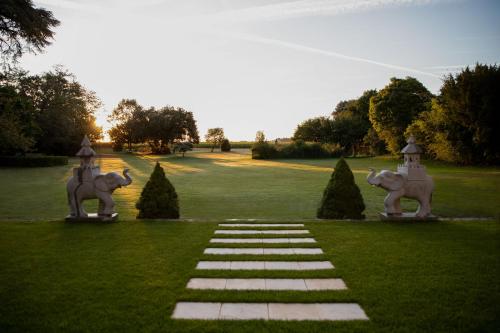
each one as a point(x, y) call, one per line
point(341, 198)
point(158, 198)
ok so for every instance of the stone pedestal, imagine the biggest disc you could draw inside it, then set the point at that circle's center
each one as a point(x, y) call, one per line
point(406, 217)
point(92, 217)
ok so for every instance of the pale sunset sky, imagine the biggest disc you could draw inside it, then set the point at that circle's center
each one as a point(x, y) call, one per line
point(248, 65)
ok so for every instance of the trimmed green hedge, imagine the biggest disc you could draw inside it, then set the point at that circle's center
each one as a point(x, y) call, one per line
point(32, 161)
point(297, 149)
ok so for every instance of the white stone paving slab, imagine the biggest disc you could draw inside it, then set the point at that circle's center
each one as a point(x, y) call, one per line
point(246, 284)
point(262, 240)
point(261, 225)
point(262, 251)
point(266, 284)
point(197, 310)
point(301, 240)
point(285, 284)
point(244, 311)
point(247, 265)
point(223, 251)
point(325, 284)
point(269, 311)
point(265, 265)
point(201, 283)
point(236, 240)
point(310, 265)
point(214, 265)
point(261, 232)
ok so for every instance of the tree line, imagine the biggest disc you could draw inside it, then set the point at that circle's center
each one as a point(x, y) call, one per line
point(160, 128)
point(458, 125)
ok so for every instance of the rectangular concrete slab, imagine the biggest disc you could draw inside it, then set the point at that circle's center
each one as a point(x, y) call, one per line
point(262, 240)
point(261, 232)
point(312, 265)
point(237, 240)
point(285, 284)
point(261, 225)
point(325, 284)
point(206, 283)
point(247, 265)
point(265, 265)
point(245, 284)
point(269, 311)
point(197, 310)
point(301, 240)
point(266, 284)
point(214, 265)
point(244, 311)
point(262, 251)
point(225, 251)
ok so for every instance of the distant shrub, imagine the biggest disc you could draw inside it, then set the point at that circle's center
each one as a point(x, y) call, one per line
point(225, 145)
point(341, 198)
point(183, 147)
point(263, 151)
point(158, 198)
point(296, 149)
point(33, 161)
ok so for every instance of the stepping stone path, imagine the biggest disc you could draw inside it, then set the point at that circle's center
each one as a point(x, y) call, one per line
point(270, 310)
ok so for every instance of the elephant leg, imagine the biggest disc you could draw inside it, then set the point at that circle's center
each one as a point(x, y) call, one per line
point(424, 208)
point(397, 206)
point(391, 203)
point(107, 204)
point(102, 205)
point(72, 205)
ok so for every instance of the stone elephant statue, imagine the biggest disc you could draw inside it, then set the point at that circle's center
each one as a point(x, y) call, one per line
point(100, 187)
point(398, 185)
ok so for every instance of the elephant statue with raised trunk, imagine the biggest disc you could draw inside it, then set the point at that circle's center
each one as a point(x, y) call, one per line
point(398, 185)
point(100, 186)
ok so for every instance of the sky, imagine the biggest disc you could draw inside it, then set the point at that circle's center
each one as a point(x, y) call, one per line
point(249, 65)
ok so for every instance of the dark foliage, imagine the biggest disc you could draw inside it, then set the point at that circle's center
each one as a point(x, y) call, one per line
point(32, 161)
point(24, 28)
point(225, 145)
point(342, 198)
point(297, 149)
point(158, 198)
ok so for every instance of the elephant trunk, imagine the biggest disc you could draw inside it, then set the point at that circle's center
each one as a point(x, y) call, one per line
point(127, 180)
point(372, 180)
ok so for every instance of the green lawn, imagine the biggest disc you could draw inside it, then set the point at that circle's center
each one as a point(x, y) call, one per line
point(127, 276)
point(232, 185)
point(432, 277)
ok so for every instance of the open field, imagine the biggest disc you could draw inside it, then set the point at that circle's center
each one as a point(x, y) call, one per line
point(232, 185)
point(126, 277)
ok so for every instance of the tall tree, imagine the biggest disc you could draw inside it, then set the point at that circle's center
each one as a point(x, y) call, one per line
point(24, 28)
point(395, 107)
point(214, 136)
point(260, 137)
point(55, 110)
point(319, 129)
point(129, 121)
point(462, 125)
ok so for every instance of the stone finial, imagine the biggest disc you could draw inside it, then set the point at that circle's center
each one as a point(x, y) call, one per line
point(86, 150)
point(411, 147)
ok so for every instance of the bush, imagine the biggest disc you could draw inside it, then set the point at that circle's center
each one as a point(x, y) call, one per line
point(297, 149)
point(341, 198)
point(158, 198)
point(33, 161)
point(225, 145)
point(263, 151)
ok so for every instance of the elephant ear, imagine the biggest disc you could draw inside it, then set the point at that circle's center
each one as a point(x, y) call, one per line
point(395, 181)
point(102, 183)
